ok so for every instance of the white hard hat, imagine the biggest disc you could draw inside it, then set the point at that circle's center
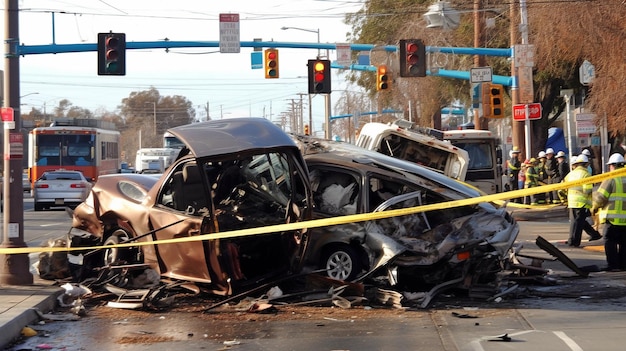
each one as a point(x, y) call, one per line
point(541, 154)
point(586, 152)
point(615, 159)
point(560, 154)
point(549, 151)
point(582, 158)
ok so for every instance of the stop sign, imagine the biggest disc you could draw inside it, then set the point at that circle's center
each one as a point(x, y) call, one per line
point(534, 112)
point(7, 114)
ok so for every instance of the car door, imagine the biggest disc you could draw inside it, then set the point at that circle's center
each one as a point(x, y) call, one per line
point(171, 218)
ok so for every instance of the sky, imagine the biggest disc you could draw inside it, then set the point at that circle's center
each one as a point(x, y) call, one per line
point(223, 82)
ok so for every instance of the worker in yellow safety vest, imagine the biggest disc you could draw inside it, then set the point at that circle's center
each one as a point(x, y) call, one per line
point(579, 202)
point(610, 199)
point(532, 178)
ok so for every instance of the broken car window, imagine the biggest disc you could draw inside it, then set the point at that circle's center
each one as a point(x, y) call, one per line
point(334, 192)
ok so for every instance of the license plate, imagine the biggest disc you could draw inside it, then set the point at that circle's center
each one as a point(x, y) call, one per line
point(59, 201)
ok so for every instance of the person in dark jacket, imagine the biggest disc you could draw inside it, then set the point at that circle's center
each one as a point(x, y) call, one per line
point(562, 170)
point(551, 169)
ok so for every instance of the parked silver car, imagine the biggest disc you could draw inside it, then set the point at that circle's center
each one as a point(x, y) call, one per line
point(25, 182)
point(60, 188)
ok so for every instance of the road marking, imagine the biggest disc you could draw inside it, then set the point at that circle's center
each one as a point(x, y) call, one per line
point(51, 224)
point(568, 341)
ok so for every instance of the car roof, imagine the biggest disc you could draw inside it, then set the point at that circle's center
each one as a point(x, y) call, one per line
point(230, 135)
point(337, 152)
point(63, 171)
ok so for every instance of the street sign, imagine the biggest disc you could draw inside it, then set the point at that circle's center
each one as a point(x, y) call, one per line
point(344, 54)
point(525, 88)
point(16, 146)
point(534, 112)
point(585, 123)
point(7, 114)
point(481, 75)
point(524, 55)
point(229, 33)
point(587, 73)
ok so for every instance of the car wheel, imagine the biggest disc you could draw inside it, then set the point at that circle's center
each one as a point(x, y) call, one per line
point(341, 262)
point(38, 207)
point(116, 255)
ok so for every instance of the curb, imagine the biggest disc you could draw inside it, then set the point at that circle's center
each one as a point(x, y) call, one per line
point(25, 311)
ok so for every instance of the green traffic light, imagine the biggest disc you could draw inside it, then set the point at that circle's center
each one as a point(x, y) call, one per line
point(113, 67)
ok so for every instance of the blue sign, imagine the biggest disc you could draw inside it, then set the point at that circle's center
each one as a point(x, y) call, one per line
point(256, 60)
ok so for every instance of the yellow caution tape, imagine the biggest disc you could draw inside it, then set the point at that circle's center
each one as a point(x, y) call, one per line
point(496, 198)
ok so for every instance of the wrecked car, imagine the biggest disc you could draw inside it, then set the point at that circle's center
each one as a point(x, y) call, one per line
point(457, 246)
point(232, 174)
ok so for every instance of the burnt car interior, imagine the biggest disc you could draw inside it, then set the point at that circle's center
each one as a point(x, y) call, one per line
point(245, 192)
point(407, 149)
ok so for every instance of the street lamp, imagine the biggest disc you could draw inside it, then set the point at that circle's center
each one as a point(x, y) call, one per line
point(318, 56)
point(153, 115)
point(29, 94)
point(310, 31)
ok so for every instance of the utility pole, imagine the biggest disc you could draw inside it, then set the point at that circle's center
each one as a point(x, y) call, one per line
point(479, 60)
point(14, 268)
point(517, 128)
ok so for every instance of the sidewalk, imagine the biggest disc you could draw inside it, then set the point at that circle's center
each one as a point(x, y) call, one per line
point(18, 305)
point(535, 213)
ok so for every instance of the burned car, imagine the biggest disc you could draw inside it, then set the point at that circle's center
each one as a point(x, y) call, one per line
point(452, 246)
point(232, 174)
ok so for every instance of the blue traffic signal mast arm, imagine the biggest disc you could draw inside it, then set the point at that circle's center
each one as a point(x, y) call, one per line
point(23, 50)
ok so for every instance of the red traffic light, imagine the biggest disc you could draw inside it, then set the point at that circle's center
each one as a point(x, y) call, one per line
point(412, 58)
point(319, 77)
point(112, 54)
point(271, 63)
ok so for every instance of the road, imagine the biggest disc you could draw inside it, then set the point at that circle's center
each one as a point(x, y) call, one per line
point(574, 314)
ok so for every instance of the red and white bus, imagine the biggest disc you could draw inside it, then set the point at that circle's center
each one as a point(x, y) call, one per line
point(91, 150)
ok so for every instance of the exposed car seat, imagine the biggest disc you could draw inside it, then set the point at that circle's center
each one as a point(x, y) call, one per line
point(194, 192)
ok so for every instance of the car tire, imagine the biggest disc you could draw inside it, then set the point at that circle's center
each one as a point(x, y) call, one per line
point(38, 207)
point(113, 255)
point(342, 262)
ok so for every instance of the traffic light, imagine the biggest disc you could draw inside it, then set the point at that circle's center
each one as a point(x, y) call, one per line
point(111, 54)
point(412, 58)
point(495, 96)
point(319, 77)
point(306, 130)
point(492, 100)
point(271, 63)
point(382, 78)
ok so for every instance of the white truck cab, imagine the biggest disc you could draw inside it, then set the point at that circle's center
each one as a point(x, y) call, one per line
point(425, 150)
point(473, 156)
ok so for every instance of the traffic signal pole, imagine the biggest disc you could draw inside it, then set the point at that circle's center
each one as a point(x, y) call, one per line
point(14, 268)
